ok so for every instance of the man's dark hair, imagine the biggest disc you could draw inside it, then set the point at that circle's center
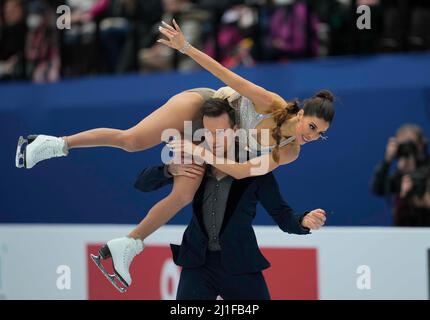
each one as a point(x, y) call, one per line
point(214, 107)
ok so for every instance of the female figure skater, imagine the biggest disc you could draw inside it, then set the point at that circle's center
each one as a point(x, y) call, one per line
point(259, 109)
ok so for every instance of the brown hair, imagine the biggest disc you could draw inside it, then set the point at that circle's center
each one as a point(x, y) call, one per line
point(214, 107)
point(281, 115)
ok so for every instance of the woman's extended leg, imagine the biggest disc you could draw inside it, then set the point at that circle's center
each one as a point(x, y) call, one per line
point(181, 195)
point(147, 133)
point(123, 250)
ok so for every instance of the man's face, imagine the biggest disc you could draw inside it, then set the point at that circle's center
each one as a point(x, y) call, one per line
point(13, 12)
point(407, 164)
point(219, 133)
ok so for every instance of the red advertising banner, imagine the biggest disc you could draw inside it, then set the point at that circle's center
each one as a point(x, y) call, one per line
point(293, 275)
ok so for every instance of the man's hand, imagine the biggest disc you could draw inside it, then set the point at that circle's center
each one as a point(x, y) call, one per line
point(185, 148)
point(314, 219)
point(194, 171)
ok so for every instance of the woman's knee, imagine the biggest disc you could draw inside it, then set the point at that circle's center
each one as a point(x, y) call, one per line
point(129, 141)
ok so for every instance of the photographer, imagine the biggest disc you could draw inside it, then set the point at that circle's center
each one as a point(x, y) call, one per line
point(409, 149)
point(413, 203)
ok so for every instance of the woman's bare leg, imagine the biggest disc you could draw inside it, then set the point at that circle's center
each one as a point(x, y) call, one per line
point(182, 194)
point(147, 133)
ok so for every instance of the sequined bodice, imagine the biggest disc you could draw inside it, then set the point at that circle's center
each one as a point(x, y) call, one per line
point(248, 118)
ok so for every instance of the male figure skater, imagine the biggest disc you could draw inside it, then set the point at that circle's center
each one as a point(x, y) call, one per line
point(219, 253)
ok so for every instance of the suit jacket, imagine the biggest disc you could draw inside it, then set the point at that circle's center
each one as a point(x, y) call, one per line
point(239, 249)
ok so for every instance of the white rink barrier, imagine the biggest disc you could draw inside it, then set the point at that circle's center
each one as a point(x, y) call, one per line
point(51, 262)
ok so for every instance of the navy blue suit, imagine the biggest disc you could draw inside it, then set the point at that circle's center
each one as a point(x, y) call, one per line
point(240, 256)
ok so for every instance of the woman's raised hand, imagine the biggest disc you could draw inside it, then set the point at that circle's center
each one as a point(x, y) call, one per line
point(175, 37)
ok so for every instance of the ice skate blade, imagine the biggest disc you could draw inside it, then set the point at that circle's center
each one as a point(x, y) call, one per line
point(110, 277)
point(19, 154)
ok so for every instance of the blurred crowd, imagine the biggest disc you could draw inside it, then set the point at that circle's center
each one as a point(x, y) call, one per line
point(403, 177)
point(119, 36)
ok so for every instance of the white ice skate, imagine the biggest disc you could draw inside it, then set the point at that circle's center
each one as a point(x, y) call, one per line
point(36, 148)
point(122, 251)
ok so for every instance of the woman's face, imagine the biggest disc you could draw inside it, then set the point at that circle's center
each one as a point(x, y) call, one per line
point(310, 128)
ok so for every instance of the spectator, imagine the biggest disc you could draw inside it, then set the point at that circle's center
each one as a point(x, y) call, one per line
point(12, 40)
point(125, 27)
point(292, 32)
point(119, 36)
point(115, 28)
point(413, 204)
point(406, 25)
point(80, 40)
point(409, 148)
point(191, 19)
point(235, 38)
point(42, 52)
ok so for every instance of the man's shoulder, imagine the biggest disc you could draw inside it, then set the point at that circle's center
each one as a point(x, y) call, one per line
point(263, 178)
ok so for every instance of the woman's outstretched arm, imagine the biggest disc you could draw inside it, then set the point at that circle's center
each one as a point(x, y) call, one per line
point(239, 170)
point(255, 167)
point(262, 98)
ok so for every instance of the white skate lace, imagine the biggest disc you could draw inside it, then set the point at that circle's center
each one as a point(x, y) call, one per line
point(47, 150)
point(130, 252)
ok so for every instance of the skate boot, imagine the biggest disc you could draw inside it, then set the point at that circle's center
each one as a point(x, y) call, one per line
point(37, 148)
point(122, 251)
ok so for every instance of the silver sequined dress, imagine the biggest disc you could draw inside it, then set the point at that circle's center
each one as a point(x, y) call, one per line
point(248, 118)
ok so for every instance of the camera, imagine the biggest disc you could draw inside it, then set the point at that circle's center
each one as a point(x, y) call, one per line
point(406, 150)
